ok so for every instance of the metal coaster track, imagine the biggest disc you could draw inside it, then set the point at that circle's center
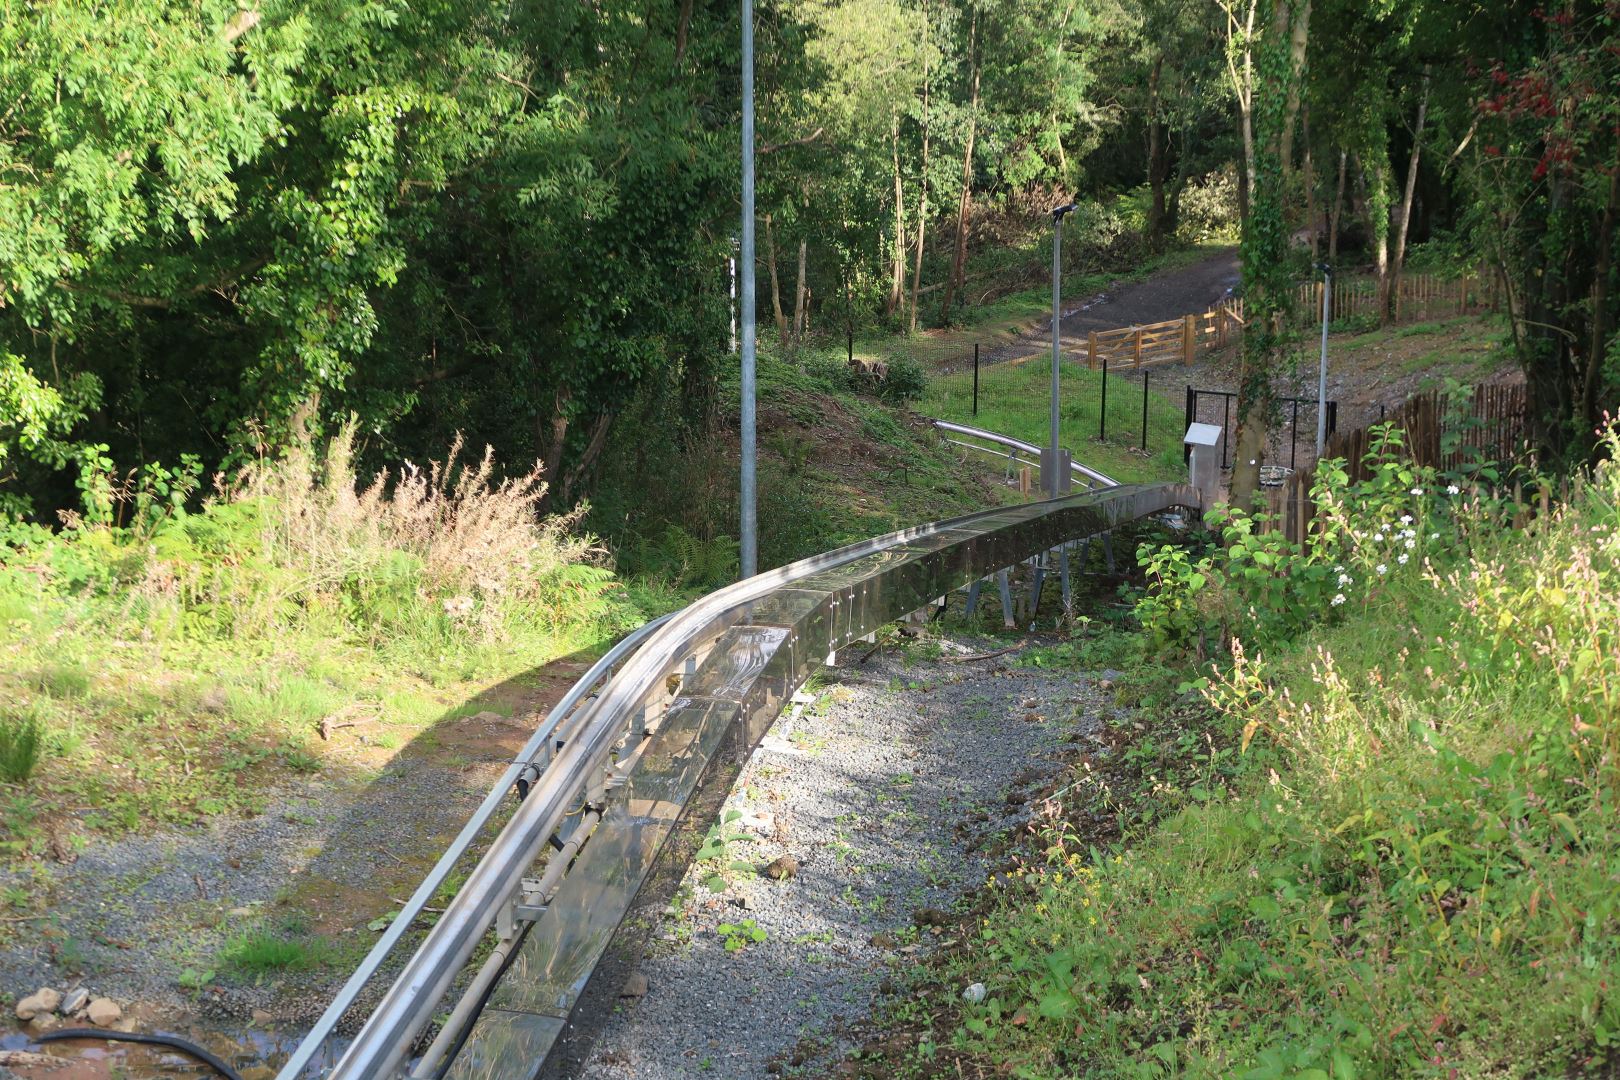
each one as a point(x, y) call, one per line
point(629, 768)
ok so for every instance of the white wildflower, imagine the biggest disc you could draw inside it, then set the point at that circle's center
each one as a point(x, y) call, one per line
point(1346, 579)
point(1406, 519)
point(1417, 491)
point(1410, 543)
point(1453, 489)
point(1403, 557)
point(1382, 569)
point(1339, 599)
point(1378, 538)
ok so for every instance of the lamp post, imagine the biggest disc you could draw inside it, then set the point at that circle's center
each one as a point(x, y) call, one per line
point(748, 548)
point(1321, 380)
point(1054, 483)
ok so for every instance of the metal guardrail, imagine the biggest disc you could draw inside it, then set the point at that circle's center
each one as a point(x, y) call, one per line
point(622, 783)
point(1006, 447)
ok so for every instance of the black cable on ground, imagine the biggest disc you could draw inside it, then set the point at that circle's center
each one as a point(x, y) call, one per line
point(174, 1042)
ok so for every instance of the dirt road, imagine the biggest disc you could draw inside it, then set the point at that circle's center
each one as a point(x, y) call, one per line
point(1168, 295)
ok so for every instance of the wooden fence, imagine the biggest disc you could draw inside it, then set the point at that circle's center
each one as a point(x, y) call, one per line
point(1436, 432)
point(1179, 341)
point(1175, 341)
point(1416, 297)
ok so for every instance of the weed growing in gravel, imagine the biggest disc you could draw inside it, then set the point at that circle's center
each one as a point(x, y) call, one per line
point(740, 935)
point(258, 952)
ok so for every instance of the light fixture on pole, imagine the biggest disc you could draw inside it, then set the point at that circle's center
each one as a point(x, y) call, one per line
point(1051, 473)
point(1321, 379)
point(748, 547)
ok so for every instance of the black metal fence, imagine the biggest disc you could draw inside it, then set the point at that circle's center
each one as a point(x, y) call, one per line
point(1197, 405)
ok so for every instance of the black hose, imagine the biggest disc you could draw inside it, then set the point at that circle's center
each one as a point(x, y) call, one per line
point(483, 1000)
point(172, 1041)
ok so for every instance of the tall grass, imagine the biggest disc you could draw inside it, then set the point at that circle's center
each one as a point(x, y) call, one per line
point(1392, 853)
point(194, 653)
point(20, 747)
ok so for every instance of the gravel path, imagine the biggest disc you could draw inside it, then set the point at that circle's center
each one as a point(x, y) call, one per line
point(884, 791)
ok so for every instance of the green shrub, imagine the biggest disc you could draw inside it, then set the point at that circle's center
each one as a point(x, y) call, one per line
point(21, 743)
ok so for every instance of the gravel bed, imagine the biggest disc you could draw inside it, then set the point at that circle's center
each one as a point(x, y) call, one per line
point(884, 790)
point(136, 911)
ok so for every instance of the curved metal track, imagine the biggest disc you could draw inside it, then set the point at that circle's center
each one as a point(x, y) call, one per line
point(623, 782)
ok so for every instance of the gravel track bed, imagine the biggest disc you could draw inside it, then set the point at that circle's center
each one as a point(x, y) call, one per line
point(884, 790)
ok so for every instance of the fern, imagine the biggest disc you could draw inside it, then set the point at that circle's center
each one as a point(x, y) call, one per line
point(691, 560)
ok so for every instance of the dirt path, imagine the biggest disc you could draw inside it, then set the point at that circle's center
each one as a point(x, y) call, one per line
point(1168, 295)
point(326, 860)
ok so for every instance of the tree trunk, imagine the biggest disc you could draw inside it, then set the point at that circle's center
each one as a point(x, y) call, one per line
point(959, 258)
point(1297, 25)
point(776, 289)
point(1338, 208)
point(1593, 382)
point(897, 278)
point(551, 461)
point(593, 450)
point(1157, 160)
point(1313, 223)
point(1376, 183)
point(1243, 89)
point(1404, 219)
point(799, 296)
point(922, 185)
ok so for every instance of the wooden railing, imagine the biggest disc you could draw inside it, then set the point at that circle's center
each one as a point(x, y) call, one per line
point(1175, 341)
point(1179, 341)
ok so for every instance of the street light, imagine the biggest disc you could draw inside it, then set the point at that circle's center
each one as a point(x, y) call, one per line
point(1321, 381)
point(1050, 472)
point(748, 548)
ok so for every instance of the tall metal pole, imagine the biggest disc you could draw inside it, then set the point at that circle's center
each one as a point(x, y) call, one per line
point(1321, 380)
point(1052, 477)
point(748, 548)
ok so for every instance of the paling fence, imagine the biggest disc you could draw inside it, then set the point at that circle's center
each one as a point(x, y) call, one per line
point(1439, 431)
point(1416, 297)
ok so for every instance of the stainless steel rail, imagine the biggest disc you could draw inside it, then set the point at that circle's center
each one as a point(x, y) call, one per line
point(527, 761)
point(1086, 477)
point(633, 761)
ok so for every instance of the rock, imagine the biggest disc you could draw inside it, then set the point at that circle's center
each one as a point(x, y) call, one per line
point(73, 1001)
point(762, 823)
point(883, 941)
point(44, 1022)
point(104, 1012)
point(43, 1000)
point(928, 916)
point(215, 699)
point(746, 902)
point(782, 867)
point(636, 986)
point(257, 1072)
point(262, 1019)
point(974, 994)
